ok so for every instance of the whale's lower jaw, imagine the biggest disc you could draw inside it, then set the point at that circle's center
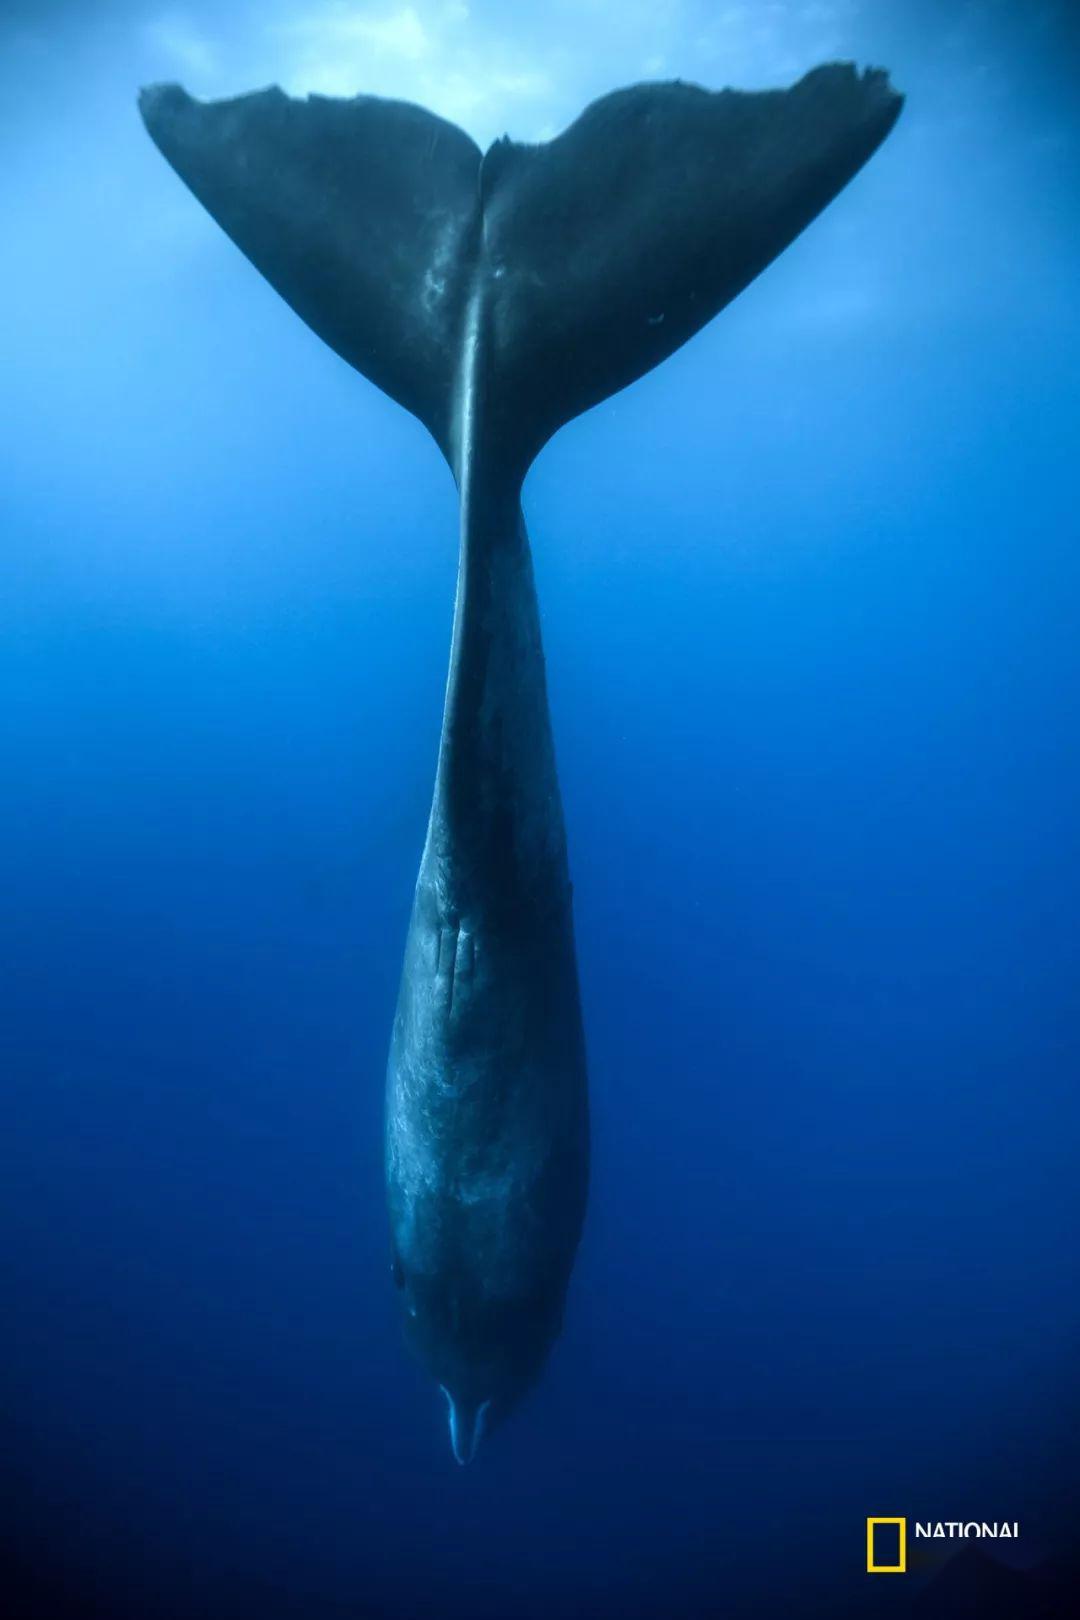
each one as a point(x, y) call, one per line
point(467, 1425)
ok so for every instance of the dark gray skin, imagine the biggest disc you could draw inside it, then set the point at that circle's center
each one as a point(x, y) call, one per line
point(486, 1119)
point(496, 297)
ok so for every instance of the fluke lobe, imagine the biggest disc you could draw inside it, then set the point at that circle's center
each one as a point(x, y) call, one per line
point(496, 296)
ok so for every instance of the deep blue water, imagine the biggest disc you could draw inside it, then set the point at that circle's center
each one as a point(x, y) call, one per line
point(810, 596)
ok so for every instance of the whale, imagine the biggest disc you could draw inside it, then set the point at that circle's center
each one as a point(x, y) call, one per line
point(497, 295)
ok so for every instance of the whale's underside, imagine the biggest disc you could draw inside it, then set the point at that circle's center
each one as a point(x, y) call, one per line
point(496, 296)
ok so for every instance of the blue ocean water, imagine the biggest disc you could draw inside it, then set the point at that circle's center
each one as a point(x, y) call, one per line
point(810, 595)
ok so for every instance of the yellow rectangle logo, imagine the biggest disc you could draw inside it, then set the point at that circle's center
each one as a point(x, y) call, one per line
point(872, 1566)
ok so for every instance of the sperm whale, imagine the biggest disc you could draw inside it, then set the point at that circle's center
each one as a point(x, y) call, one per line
point(496, 296)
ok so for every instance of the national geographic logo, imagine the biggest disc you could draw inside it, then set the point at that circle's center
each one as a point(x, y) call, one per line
point(887, 1539)
point(886, 1546)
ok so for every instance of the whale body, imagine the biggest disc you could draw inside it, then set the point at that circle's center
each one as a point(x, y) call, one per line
point(496, 296)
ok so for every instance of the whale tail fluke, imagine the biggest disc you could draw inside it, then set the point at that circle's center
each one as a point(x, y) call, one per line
point(595, 254)
point(355, 211)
